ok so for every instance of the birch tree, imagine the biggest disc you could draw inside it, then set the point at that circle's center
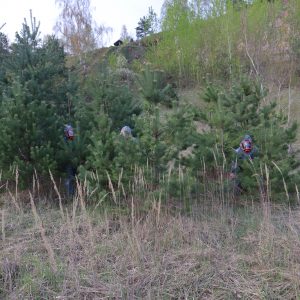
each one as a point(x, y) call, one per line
point(77, 28)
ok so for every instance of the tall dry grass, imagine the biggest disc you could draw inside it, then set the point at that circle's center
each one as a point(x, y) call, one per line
point(218, 251)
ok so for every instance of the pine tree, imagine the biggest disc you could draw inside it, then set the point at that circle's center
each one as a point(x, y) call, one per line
point(242, 111)
point(147, 24)
point(34, 104)
point(110, 107)
point(30, 134)
point(157, 140)
point(4, 51)
point(100, 154)
point(154, 87)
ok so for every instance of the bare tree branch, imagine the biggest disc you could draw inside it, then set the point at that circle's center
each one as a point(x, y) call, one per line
point(2, 26)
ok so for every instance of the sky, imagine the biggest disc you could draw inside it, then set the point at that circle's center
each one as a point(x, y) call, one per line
point(110, 13)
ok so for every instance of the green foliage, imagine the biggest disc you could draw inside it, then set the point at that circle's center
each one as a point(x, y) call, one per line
point(242, 111)
point(147, 24)
point(221, 41)
point(36, 271)
point(4, 50)
point(33, 104)
point(152, 137)
point(112, 99)
point(154, 87)
point(129, 156)
point(72, 153)
point(30, 133)
point(100, 153)
point(157, 140)
point(41, 69)
point(3, 43)
point(38, 97)
point(190, 43)
point(162, 139)
point(239, 107)
point(110, 107)
point(294, 39)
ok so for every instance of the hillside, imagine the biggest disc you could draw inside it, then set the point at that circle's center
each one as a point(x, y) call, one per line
point(169, 209)
point(134, 56)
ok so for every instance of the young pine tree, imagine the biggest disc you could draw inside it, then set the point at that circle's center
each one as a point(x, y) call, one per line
point(242, 110)
point(34, 103)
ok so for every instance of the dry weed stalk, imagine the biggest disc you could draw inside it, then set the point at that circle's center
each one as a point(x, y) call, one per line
point(14, 198)
point(74, 209)
point(297, 192)
point(283, 180)
point(35, 180)
point(58, 194)
point(72, 251)
point(81, 195)
point(16, 186)
point(111, 187)
point(43, 235)
point(14, 201)
point(3, 225)
point(157, 207)
point(100, 202)
point(132, 213)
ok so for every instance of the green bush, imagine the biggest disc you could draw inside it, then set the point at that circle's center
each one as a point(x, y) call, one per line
point(242, 110)
point(33, 105)
point(154, 88)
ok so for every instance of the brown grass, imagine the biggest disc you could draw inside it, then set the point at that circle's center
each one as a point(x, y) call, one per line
point(223, 253)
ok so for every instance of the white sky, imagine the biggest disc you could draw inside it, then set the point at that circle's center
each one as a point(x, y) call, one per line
point(111, 13)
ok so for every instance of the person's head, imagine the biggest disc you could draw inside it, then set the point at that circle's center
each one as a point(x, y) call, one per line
point(126, 131)
point(69, 132)
point(246, 144)
point(248, 137)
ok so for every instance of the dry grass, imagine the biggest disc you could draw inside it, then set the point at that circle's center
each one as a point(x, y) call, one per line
point(223, 253)
point(288, 101)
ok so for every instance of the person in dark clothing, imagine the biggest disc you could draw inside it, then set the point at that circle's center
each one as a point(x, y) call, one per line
point(118, 43)
point(246, 151)
point(70, 168)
